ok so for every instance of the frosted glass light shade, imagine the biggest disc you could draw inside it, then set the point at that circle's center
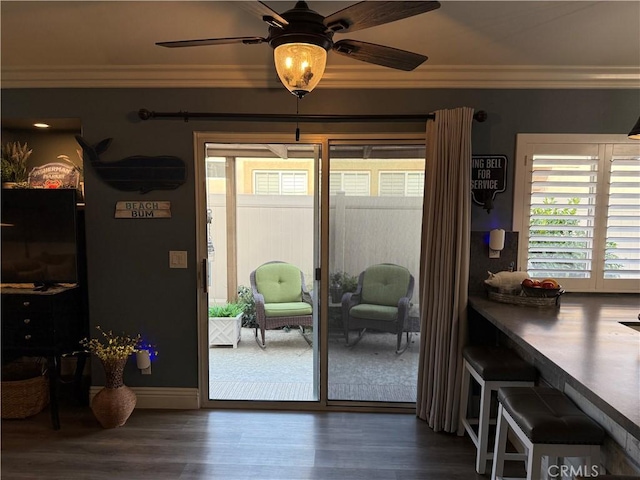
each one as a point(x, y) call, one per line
point(300, 66)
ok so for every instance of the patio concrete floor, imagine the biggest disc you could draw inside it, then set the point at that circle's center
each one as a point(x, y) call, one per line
point(283, 371)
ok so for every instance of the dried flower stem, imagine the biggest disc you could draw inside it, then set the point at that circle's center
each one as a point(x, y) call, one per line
point(115, 346)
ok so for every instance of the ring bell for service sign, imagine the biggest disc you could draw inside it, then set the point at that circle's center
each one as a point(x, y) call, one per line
point(488, 177)
point(149, 209)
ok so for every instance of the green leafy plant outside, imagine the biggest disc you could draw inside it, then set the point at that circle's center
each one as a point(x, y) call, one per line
point(343, 281)
point(340, 283)
point(227, 310)
point(248, 305)
point(569, 238)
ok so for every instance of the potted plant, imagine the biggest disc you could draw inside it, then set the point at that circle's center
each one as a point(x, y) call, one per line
point(340, 283)
point(14, 164)
point(113, 405)
point(225, 322)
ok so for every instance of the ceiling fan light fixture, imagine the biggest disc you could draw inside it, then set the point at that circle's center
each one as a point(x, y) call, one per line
point(634, 134)
point(300, 66)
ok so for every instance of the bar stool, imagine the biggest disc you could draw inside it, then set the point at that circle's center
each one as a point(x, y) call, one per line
point(548, 424)
point(492, 368)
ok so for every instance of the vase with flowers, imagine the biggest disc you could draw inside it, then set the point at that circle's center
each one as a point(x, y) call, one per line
point(113, 405)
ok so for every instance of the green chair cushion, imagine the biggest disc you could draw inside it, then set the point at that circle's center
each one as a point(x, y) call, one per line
point(289, 309)
point(279, 282)
point(374, 312)
point(385, 284)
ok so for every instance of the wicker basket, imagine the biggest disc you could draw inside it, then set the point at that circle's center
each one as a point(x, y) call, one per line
point(25, 389)
point(518, 297)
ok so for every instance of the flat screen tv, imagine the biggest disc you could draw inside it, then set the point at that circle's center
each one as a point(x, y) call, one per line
point(39, 236)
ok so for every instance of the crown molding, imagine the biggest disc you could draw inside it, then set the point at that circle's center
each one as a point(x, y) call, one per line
point(344, 77)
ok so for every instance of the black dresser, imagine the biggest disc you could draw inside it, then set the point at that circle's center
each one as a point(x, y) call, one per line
point(46, 324)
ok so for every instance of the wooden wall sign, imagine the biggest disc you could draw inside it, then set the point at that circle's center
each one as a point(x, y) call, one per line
point(488, 178)
point(136, 173)
point(135, 209)
point(54, 175)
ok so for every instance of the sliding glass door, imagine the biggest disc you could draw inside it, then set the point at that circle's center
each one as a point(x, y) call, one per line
point(261, 210)
point(346, 213)
point(375, 217)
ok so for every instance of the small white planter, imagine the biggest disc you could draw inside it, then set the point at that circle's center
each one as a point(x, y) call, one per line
point(225, 330)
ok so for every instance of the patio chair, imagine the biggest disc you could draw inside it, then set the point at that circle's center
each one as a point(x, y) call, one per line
point(380, 302)
point(281, 298)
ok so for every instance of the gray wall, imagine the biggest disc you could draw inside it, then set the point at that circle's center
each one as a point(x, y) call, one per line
point(130, 285)
point(481, 264)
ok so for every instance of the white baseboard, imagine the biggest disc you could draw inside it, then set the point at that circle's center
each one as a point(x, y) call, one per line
point(167, 398)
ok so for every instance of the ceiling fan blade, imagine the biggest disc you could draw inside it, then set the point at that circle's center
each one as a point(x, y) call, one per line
point(266, 13)
point(379, 54)
point(370, 14)
point(212, 41)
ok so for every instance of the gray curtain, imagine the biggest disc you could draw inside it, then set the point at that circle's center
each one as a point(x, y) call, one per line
point(444, 266)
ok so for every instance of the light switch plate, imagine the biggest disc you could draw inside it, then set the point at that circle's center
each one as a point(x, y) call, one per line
point(177, 259)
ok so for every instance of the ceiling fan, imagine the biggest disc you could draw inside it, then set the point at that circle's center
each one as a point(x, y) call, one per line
point(302, 37)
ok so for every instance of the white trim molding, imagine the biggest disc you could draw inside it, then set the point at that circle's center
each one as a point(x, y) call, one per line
point(163, 398)
point(344, 77)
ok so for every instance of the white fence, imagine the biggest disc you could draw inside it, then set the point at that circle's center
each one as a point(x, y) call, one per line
point(362, 230)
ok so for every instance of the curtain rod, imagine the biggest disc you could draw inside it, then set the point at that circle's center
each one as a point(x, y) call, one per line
point(144, 114)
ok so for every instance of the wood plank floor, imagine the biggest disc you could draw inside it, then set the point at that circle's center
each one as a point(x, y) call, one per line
point(234, 445)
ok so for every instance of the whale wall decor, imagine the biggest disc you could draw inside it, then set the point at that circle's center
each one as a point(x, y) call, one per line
point(136, 173)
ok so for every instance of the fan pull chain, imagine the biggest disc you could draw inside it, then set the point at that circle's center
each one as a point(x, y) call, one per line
point(297, 123)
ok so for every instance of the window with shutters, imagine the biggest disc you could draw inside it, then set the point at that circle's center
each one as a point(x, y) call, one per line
point(351, 183)
point(216, 167)
point(401, 184)
point(280, 183)
point(577, 208)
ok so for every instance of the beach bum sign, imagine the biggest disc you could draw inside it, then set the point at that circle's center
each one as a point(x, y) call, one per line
point(54, 175)
point(150, 209)
point(488, 177)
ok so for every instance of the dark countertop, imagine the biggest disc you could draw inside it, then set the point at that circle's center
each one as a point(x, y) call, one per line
point(601, 357)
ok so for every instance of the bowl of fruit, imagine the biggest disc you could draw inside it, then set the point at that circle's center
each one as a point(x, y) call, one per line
point(547, 287)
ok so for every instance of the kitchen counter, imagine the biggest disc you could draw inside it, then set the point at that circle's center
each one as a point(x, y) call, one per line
point(596, 355)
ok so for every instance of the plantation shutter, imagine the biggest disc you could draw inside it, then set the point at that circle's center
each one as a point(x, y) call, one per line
point(622, 247)
point(215, 167)
point(351, 183)
point(267, 183)
point(415, 184)
point(401, 184)
point(281, 183)
point(294, 183)
point(577, 208)
point(335, 183)
point(355, 183)
point(391, 184)
point(562, 213)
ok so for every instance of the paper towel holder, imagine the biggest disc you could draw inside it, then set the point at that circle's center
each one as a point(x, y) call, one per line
point(496, 242)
